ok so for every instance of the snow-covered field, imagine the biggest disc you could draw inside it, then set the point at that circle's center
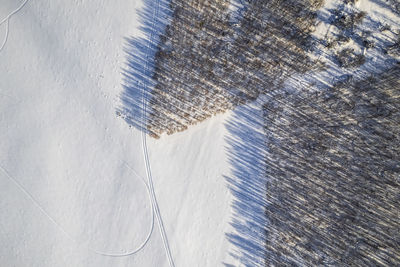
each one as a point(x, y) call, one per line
point(73, 180)
point(62, 143)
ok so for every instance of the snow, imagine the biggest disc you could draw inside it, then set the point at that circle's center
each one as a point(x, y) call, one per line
point(63, 143)
point(72, 174)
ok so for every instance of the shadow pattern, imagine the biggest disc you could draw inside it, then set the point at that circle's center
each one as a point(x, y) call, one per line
point(333, 170)
point(246, 144)
point(138, 79)
point(206, 63)
point(269, 44)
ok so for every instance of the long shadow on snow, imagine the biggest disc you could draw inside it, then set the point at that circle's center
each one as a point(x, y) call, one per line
point(138, 74)
point(247, 157)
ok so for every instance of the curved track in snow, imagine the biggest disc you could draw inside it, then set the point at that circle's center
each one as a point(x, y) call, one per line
point(74, 240)
point(7, 21)
point(149, 185)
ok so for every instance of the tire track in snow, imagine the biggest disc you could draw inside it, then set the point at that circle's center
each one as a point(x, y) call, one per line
point(74, 240)
point(145, 150)
point(7, 21)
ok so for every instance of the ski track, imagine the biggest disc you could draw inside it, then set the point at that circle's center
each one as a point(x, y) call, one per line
point(74, 240)
point(7, 21)
point(145, 150)
point(149, 185)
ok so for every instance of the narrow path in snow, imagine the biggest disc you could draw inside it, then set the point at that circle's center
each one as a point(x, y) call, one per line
point(74, 240)
point(7, 21)
point(145, 150)
point(149, 185)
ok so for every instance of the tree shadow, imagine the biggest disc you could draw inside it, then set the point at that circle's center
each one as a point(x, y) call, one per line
point(200, 60)
point(316, 175)
point(332, 167)
point(138, 74)
point(195, 62)
point(246, 143)
point(304, 164)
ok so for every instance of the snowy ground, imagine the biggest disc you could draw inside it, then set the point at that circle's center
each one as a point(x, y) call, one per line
point(62, 142)
point(82, 168)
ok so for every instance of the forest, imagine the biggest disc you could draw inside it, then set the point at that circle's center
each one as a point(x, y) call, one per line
point(334, 174)
point(332, 152)
point(207, 64)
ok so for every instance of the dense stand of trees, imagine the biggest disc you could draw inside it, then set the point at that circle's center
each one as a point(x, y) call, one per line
point(207, 64)
point(332, 156)
point(333, 167)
